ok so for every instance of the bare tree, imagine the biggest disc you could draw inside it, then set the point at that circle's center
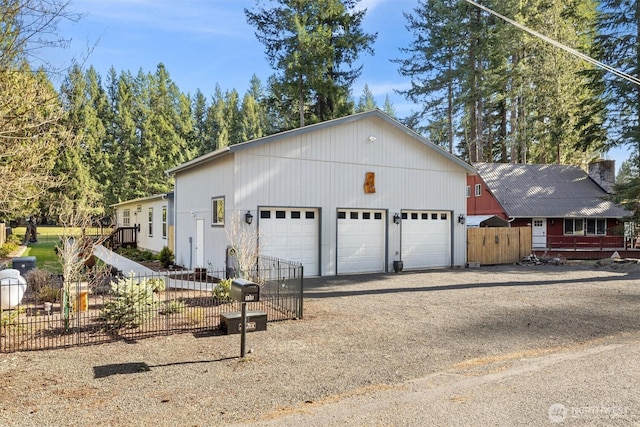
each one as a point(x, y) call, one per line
point(244, 242)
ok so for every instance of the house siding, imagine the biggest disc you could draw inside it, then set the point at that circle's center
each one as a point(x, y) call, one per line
point(325, 169)
point(155, 242)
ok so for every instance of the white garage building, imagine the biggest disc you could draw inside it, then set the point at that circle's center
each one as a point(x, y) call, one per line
point(326, 195)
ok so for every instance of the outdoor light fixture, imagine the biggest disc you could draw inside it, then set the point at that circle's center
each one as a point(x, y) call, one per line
point(248, 217)
point(396, 218)
point(461, 219)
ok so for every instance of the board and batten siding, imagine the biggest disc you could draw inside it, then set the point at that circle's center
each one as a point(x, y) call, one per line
point(155, 242)
point(193, 192)
point(327, 168)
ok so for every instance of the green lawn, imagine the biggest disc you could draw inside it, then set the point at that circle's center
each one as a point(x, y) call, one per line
point(46, 257)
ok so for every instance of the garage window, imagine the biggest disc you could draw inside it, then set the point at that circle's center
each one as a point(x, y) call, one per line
point(366, 215)
point(281, 214)
point(217, 211)
point(443, 216)
point(295, 214)
point(404, 215)
point(434, 216)
point(425, 216)
point(310, 215)
point(265, 214)
point(414, 215)
point(377, 215)
point(342, 215)
point(353, 215)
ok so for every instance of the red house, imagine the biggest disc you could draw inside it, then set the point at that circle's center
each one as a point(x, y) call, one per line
point(564, 205)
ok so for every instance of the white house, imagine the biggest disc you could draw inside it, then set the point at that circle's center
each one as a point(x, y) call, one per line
point(350, 195)
point(153, 218)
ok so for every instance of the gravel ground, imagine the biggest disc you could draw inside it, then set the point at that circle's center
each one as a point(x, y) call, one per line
point(362, 336)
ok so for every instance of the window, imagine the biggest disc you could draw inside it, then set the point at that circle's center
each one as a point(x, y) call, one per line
point(126, 217)
point(425, 216)
point(366, 215)
point(468, 191)
point(585, 226)
point(353, 215)
point(478, 190)
point(295, 214)
point(309, 215)
point(281, 214)
point(217, 211)
point(150, 222)
point(164, 222)
point(537, 223)
point(574, 226)
point(443, 216)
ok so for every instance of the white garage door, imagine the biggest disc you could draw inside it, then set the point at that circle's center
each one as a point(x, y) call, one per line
point(426, 239)
point(291, 234)
point(361, 241)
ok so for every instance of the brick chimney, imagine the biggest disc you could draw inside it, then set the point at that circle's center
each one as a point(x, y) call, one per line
point(603, 172)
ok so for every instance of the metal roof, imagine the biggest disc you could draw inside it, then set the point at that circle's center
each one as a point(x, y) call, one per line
point(310, 128)
point(561, 191)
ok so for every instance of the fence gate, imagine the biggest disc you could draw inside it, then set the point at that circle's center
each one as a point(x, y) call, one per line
point(498, 245)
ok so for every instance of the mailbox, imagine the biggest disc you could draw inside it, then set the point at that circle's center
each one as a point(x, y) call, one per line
point(244, 291)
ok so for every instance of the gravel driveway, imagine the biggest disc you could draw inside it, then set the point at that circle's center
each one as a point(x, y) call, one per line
point(367, 343)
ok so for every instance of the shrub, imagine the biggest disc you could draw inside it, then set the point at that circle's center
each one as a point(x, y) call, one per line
point(132, 306)
point(157, 284)
point(222, 291)
point(165, 257)
point(49, 293)
point(14, 239)
point(7, 249)
point(173, 307)
point(38, 278)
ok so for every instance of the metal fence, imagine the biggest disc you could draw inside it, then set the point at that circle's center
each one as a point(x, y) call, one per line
point(55, 315)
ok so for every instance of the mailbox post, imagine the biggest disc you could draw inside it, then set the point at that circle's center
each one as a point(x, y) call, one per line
point(244, 291)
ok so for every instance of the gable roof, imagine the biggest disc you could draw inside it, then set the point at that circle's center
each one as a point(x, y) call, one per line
point(527, 191)
point(310, 128)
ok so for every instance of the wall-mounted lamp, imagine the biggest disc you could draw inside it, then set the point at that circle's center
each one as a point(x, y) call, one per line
point(461, 219)
point(248, 218)
point(396, 219)
point(372, 138)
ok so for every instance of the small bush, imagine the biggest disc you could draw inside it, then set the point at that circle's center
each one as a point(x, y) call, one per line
point(49, 293)
point(132, 306)
point(38, 278)
point(165, 257)
point(173, 307)
point(14, 239)
point(222, 291)
point(157, 285)
point(10, 319)
point(7, 249)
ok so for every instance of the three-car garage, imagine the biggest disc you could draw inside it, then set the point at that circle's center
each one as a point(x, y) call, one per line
point(362, 238)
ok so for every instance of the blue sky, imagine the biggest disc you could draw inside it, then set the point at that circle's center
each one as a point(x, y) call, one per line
point(207, 42)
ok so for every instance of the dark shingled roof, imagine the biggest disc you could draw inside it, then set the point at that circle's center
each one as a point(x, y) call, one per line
point(561, 191)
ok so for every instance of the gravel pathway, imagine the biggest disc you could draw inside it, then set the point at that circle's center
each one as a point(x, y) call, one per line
point(363, 338)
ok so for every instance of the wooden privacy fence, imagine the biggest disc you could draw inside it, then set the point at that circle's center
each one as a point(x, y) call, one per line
point(498, 245)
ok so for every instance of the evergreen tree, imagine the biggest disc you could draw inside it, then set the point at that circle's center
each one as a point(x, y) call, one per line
point(313, 45)
point(619, 45)
point(367, 101)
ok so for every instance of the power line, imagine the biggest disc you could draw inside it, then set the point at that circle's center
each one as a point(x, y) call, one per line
point(557, 44)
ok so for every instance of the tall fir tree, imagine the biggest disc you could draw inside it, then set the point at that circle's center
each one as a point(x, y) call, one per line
point(313, 46)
